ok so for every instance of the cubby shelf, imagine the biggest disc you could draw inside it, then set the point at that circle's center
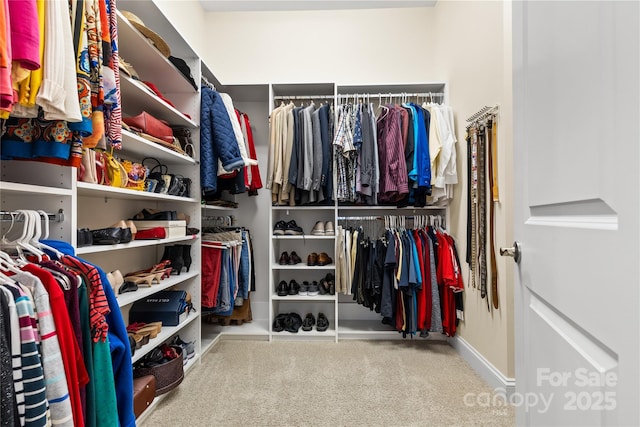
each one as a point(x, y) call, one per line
point(97, 190)
point(143, 292)
point(134, 244)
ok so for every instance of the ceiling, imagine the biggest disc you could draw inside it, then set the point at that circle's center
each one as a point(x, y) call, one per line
point(280, 5)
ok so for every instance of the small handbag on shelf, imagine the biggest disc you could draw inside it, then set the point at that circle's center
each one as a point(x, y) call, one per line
point(115, 171)
point(161, 181)
point(136, 175)
point(149, 125)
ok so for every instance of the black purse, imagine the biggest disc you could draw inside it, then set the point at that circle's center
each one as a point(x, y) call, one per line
point(163, 182)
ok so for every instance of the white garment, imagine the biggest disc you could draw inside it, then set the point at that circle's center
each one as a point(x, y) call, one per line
point(228, 103)
point(58, 94)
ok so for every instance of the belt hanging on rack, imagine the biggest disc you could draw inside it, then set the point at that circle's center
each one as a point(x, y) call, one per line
point(492, 187)
point(473, 149)
point(482, 214)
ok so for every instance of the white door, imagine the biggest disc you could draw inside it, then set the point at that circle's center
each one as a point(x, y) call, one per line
point(576, 138)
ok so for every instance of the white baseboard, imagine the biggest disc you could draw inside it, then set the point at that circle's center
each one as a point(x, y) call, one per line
point(482, 366)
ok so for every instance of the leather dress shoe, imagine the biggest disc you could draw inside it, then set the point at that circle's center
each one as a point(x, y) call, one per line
point(324, 259)
point(108, 236)
point(312, 259)
point(284, 258)
point(294, 258)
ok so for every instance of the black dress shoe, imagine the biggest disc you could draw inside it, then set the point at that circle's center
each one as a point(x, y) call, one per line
point(107, 236)
point(282, 289)
point(294, 287)
point(294, 258)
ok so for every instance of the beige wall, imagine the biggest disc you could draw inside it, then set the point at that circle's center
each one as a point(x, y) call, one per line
point(462, 43)
point(475, 57)
point(345, 46)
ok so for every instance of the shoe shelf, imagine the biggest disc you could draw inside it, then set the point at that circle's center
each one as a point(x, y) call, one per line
point(137, 98)
point(306, 298)
point(18, 188)
point(165, 333)
point(303, 266)
point(98, 190)
point(135, 147)
point(133, 244)
point(284, 335)
point(143, 292)
point(302, 208)
point(303, 237)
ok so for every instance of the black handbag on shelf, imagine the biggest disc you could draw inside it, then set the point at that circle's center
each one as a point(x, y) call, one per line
point(163, 182)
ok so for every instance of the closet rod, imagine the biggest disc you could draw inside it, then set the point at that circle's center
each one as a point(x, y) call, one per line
point(393, 95)
point(12, 216)
point(378, 218)
point(303, 97)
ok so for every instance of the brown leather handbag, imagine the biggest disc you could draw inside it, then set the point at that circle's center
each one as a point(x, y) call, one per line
point(149, 125)
point(144, 391)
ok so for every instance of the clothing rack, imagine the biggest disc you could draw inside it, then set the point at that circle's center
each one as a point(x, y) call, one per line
point(431, 218)
point(13, 216)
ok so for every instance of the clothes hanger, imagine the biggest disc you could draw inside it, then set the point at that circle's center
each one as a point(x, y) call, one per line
point(28, 235)
point(43, 215)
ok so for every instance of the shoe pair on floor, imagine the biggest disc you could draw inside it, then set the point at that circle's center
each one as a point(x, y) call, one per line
point(310, 321)
point(290, 228)
point(323, 229)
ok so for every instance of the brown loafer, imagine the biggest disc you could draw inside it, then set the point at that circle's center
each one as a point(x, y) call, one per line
point(312, 259)
point(284, 258)
point(324, 259)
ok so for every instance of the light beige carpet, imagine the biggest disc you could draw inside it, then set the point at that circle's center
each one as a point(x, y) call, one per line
point(352, 383)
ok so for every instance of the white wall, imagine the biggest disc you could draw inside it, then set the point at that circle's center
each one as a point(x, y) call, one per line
point(461, 42)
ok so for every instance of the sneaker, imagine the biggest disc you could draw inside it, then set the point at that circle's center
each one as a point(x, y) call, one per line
point(282, 289)
point(328, 229)
point(292, 229)
point(294, 287)
point(323, 323)
point(304, 288)
point(280, 228)
point(313, 289)
point(308, 322)
point(318, 229)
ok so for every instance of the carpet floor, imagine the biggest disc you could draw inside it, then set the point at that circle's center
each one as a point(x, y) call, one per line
point(351, 383)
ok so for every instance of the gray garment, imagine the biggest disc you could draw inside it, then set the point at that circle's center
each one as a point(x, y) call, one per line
point(436, 316)
point(308, 148)
point(300, 137)
point(317, 150)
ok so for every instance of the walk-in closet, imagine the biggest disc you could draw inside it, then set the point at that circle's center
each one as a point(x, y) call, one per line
point(314, 213)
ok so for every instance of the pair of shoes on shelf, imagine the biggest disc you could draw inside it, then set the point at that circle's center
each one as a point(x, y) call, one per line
point(122, 232)
point(327, 285)
point(188, 348)
point(116, 281)
point(139, 339)
point(290, 322)
point(179, 256)
point(314, 259)
point(140, 328)
point(289, 259)
point(323, 229)
point(283, 289)
point(155, 215)
point(84, 237)
point(309, 288)
point(287, 229)
point(152, 275)
point(310, 321)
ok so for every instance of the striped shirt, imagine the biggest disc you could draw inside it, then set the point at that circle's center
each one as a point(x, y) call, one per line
point(54, 373)
point(16, 353)
point(35, 399)
point(98, 304)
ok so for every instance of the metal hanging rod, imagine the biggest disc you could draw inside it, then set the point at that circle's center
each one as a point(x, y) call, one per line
point(13, 216)
point(303, 97)
point(392, 95)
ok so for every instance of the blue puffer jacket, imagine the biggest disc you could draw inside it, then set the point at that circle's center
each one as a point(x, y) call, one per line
point(217, 140)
